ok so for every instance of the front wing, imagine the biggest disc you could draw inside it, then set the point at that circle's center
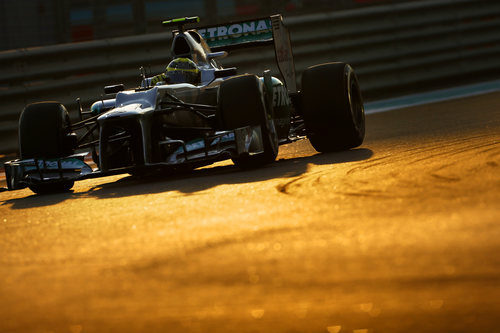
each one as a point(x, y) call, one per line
point(222, 145)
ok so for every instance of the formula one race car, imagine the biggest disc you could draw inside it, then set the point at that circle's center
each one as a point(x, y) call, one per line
point(194, 114)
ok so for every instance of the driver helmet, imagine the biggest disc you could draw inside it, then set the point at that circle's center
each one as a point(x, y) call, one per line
point(183, 70)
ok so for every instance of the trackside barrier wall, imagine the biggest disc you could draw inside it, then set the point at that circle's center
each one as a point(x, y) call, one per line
point(395, 49)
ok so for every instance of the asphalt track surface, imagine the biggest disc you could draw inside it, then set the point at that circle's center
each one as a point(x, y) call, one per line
point(399, 235)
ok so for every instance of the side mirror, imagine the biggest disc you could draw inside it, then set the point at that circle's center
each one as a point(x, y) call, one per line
point(225, 72)
point(108, 90)
point(215, 55)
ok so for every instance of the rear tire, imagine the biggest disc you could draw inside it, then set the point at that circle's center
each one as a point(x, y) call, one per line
point(45, 132)
point(332, 107)
point(242, 102)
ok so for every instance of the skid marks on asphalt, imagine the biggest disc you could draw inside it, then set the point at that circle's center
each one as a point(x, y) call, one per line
point(431, 166)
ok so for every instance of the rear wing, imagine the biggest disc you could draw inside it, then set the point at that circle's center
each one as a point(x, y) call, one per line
point(256, 32)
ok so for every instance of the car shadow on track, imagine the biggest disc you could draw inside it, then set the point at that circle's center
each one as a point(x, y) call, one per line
point(194, 182)
point(203, 179)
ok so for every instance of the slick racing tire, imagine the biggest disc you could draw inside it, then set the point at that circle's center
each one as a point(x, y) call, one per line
point(332, 107)
point(45, 132)
point(242, 102)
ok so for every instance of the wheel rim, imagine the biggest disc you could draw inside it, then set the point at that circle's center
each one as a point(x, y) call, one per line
point(356, 103)
point(271, 129)
point(273, 136)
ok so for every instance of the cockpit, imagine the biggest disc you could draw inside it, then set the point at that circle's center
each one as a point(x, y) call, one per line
point(193, 61)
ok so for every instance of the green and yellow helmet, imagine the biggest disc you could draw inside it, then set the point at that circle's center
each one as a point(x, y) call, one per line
point(183, 70)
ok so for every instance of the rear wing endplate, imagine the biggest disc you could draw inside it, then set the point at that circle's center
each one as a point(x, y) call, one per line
point(257, 32)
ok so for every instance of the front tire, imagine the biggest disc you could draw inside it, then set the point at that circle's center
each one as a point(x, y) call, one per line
point(242, 102)
point(45, 132)
point(332, 107)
